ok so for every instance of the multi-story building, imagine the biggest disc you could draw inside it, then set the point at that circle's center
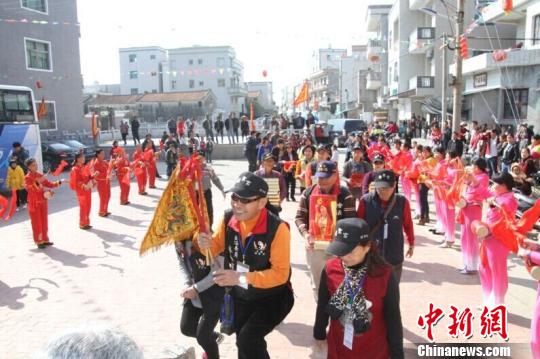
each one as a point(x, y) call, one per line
point(327, 59)
point(266, 96)
point(355, 98)
point(416, 29)
point(213, 68)
point(141, 70)
point(155, 70)
point(377, 54)
point(324, 89)
point(40, 54)
point(503, 87)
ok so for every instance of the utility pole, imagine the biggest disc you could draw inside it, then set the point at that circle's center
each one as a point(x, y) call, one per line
point(456, 118)
point(444, 95)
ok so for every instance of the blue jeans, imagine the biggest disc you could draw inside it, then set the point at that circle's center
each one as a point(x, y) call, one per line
point(492, 163)
point(505, 167)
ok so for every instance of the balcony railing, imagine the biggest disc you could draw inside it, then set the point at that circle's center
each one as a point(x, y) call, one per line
point(374, 50)
point(494, 12)
point(421, 39)
point(422, 82)
point(418, 4)
point(373, 81)
point(523, 57)
point(237, 91)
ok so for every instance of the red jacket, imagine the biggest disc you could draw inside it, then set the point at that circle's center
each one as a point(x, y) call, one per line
point(35, 184)
point(372, 344)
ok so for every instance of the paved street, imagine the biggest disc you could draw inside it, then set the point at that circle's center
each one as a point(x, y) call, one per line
point(97, 276)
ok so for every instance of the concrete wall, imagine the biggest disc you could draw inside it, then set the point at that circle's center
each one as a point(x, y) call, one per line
point(63, 84)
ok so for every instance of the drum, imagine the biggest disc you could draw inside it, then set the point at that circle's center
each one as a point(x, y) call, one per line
point(533, 270)
point(461, 203)
point(480, 229)
point(48, 194)
point(273, 192)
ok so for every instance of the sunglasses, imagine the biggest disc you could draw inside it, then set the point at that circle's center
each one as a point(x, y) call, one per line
point(237, 198)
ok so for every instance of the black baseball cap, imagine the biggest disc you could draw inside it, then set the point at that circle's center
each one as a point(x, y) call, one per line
point(249, 185)
point(268, 156)
point(378, 158)
point(325, 169)
point(384, 179)
point(350, 232)
point(322, 148)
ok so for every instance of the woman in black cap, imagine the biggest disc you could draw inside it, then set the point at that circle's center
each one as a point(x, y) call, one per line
point(359, 293)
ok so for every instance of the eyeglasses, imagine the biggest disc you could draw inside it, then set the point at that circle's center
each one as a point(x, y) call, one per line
point(237, 198)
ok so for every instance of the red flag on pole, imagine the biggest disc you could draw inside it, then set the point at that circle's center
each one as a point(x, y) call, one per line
point(42, 111)
point(251, 117)
point(60, 168)
point(303, 96)
point(95, 128)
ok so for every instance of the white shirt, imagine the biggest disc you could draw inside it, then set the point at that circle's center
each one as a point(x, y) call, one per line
point(492, 148)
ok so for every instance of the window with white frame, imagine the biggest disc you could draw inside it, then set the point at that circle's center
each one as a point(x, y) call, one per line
point(48, 121)
point(199, 61)
point(35, 5)
point(38, 55)
point(536, 30)
point(133, 75)
point(132, 58)
point(152, 57)
point(191, 84)
point(221, 82)
point(201, 83)
point(134, 91)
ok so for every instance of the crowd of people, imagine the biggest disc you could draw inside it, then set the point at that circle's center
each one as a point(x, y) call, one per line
point(356, 218)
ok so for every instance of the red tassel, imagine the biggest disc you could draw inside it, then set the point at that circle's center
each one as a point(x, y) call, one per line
point(3, 205)
point(13, 205)
point(60, 168)
point(125, 178)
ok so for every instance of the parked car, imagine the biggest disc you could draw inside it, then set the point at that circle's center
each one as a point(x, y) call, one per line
point(53, 153)
point(88, 150)
point(342, 127)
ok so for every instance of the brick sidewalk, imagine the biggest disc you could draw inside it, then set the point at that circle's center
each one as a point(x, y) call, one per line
point(98, 277)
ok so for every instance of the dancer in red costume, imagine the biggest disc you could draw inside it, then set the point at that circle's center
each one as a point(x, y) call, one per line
point(139, 167)
point(122, 173)
point(102, 173)
point(81, 182)
point(150, 161)
point(36, 184)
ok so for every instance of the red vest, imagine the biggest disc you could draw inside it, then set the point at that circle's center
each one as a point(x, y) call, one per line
point(372, 344)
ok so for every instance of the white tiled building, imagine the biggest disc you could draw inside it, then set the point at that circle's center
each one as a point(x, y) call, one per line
point(196, 68)
point(508, 91)
point(266, 97)
point(141, 70)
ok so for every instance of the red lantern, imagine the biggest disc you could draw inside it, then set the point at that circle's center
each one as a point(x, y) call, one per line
point(374, 58)
point(499, 55)
point(464, 47)
point(508, 5)
point(265, 73)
